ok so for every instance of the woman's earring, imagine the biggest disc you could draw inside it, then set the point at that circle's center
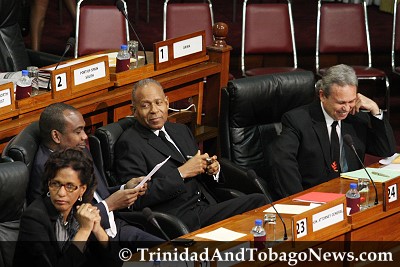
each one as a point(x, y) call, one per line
point(48, 194)
point(80, 198)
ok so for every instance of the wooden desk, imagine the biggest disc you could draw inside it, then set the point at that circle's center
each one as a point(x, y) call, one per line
point(112, 101)
point(372, 224)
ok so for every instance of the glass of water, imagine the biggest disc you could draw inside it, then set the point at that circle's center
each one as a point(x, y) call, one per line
point(363, 189)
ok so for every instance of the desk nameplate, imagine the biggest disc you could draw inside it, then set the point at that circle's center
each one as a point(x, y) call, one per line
point(391, 199)
point(179, 50)
point(321, 223)
point(89, 74)
point(7, 99)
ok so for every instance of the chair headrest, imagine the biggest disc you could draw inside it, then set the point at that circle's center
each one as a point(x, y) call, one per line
point(263, 99)
point(108, 136)
point(14, 177)
point(23, 147)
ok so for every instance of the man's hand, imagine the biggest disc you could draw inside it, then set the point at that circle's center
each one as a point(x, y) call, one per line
point(364, 103)
point(194, 166)
point(132, 183)
point(122, 199)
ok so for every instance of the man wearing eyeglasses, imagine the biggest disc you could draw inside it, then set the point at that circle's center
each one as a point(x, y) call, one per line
point(62, 126)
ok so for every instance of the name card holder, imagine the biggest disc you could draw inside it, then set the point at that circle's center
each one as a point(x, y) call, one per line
point(87, 76)
point(391, 194)
point(7, 99)
point(184, 50)
point(61, 82)
point(321, 223)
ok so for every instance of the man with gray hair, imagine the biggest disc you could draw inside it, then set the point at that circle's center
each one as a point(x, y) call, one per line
point(310, 149)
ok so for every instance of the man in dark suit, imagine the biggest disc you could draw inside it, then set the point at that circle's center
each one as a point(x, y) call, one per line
point(178, 186)
point(303, 155)
point(62, 126)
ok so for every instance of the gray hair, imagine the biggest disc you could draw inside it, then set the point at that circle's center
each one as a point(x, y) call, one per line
point(341, 75)
point(140, 84)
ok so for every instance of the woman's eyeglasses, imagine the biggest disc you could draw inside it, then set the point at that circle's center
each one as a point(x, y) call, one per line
point(54, 185)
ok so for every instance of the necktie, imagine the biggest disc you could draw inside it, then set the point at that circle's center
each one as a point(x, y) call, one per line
point(173, 149)
point(335, 148)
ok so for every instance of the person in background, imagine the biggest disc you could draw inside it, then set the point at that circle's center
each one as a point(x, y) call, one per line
point(305, 154)
point(178, 187)
point(62, 228)
point(38, 15)
point(62, 126)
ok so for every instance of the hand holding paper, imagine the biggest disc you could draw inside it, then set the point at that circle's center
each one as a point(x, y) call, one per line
point(153, 171)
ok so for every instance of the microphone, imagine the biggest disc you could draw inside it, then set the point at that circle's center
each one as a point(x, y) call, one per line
point(349, 141)
point(150, 218)
point(70, 44)
point(252, 174)
point(121, 8)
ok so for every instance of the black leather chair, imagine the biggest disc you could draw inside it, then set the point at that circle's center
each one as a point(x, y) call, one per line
point(23, 146)
point(102, 148)
point(251, 111)
point(14, 178)
point(13, 55)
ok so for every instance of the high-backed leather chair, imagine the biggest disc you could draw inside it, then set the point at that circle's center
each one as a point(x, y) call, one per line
point(13, 56)
point(99, 28)
point(14, 177)
point(267, 28)
point(251, 111)
point(102, 148)
point(23, 146)
point(183, 18)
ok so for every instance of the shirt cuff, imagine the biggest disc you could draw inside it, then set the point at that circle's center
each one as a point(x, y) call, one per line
point(379, 115)
point(112, 231)
point(216, 176)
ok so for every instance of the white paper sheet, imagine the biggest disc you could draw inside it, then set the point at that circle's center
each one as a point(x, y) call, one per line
point(222, 234)
point(153, 171)
point(291, 209)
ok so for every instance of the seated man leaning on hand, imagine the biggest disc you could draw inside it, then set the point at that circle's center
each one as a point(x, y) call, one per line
point(305, 154)
point(62, 126)
point(177, 187)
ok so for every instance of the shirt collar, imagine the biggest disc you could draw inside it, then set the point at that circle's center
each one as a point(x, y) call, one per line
point(328, 119)
point(156, 132)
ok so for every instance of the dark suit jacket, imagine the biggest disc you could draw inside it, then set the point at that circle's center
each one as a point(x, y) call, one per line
point(300, 156)
point(138, 150)
point(37, 244)
point(35, 189)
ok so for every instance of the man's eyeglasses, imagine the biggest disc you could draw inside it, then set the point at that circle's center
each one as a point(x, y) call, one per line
point(54, 185)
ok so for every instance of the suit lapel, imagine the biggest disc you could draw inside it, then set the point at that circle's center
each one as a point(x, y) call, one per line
point(321, 131)
point(155, 142)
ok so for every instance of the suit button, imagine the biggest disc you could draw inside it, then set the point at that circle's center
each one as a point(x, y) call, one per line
point(198, 192)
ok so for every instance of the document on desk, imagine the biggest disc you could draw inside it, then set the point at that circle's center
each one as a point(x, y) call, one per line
point(379, 175)
point(153, 171)
point(221, 234)
point(291, 209)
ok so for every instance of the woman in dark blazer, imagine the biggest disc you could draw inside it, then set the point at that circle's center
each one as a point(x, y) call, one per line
point(63, 228)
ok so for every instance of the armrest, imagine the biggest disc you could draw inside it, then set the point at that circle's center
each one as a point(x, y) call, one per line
point(237, 178)
point(170, 224)
point(222, 193)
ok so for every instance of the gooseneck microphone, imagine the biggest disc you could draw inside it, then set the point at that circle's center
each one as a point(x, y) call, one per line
point(150, 218)
point(349, 141)
point(121, 8)
point(251, 173)
point(70, 44)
